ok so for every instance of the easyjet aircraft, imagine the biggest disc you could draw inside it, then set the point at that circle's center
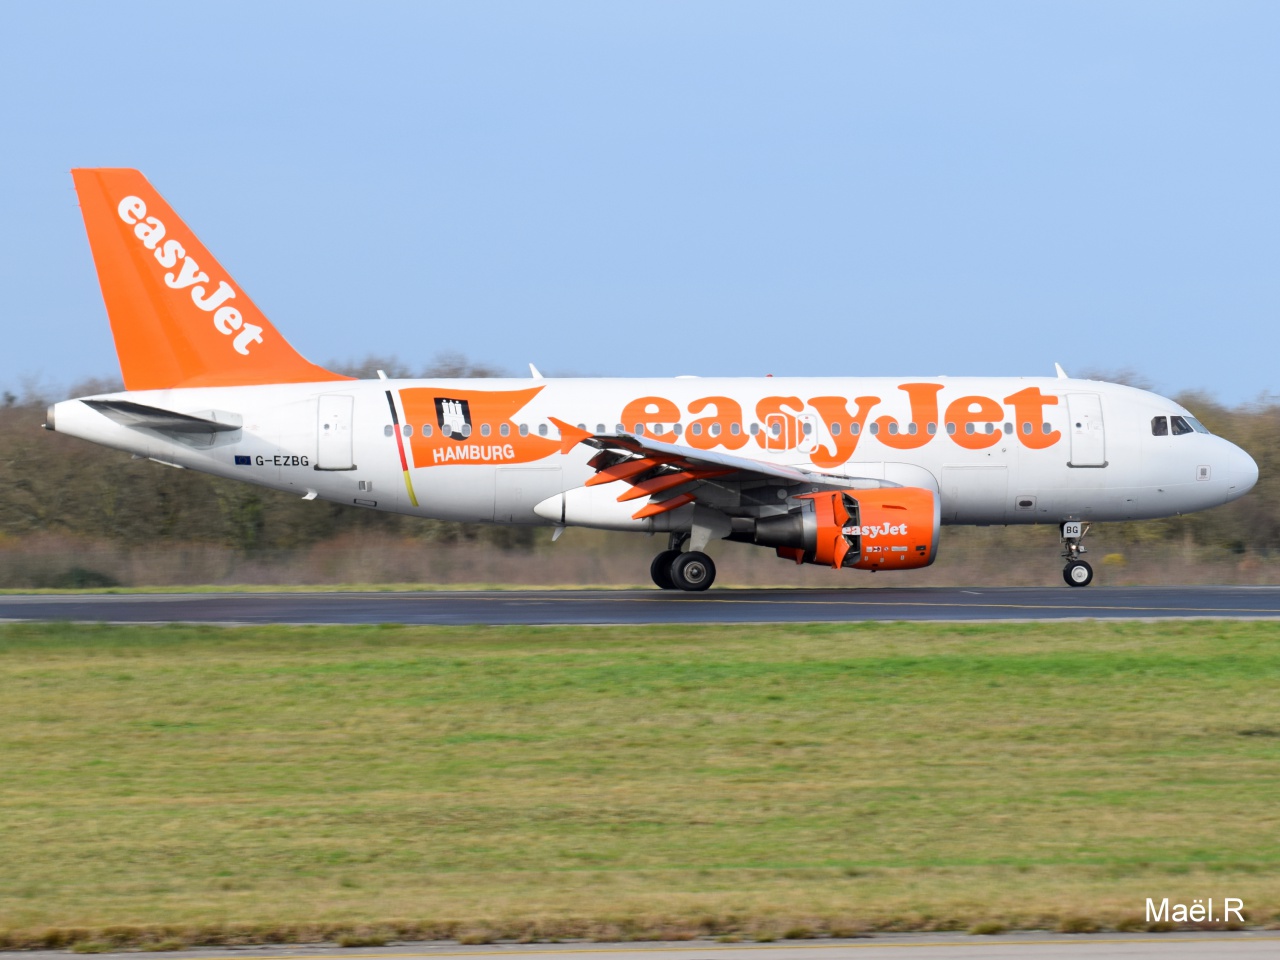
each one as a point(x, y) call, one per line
point(846, 472)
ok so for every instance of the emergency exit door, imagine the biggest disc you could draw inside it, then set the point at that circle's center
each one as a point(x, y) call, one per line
point(1088, 438)
point(333, 433)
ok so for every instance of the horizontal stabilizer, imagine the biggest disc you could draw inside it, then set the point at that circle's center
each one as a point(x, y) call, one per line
point(130, 414)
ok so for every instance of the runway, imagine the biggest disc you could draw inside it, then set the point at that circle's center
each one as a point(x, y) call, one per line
point(634, 607)
point(1018, 946)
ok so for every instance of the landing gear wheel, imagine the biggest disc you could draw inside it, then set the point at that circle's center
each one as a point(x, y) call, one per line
point(660, 569)
point(1077, 573)
point(693, 571)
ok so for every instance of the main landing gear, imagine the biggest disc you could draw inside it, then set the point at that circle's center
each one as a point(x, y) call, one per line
point(674, 570)
point(1077, 573)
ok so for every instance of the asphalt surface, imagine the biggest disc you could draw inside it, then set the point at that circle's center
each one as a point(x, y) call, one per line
point(655, 606)
point(1020, 946)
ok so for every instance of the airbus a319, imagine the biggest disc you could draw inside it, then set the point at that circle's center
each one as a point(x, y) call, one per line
point(850, 472)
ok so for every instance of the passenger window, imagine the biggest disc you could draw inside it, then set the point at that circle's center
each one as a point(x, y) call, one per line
point(484, 430)
point(542, 429)
point(989, 429)
point(893, 428)
point(951, 428)
point(1159, 427)
point(524, 429)
point(1046, 429)
point(466, 429)
point(387, 430)
point(912, 428)
point(696, 429)
point(755, 429)
point(714, 430)
point(1026, 428)
point(676, 428)
point(621, 428)
point(875, 428)
point(854, 429)
point(599, 428)
point(407, 430)
point(776, 429)
point(1180, 426)
point(735, 429)
point(639, 429)
point(1008, 428)
point(970, 429)
point(835, 429)
point(426, 430)
point(932, 429)
point(808, 428)
point(504, 429)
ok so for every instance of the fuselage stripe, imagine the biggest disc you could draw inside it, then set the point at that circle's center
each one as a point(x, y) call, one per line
point(404, 462)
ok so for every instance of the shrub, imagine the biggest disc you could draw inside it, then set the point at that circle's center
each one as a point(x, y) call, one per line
point(81, 578)
point(1078, 925)
point(988, 928)
point(362, 940)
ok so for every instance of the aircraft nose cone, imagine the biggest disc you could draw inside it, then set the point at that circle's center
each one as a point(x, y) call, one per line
point(1244, 473)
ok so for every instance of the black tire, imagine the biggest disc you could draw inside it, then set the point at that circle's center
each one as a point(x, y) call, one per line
point(693, 571)
point(1077, 573)
point(660, 569)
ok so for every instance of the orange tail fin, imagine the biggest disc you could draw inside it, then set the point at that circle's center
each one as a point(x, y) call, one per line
point(177, 316)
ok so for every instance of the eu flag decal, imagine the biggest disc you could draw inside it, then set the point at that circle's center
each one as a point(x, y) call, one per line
point(242, 461)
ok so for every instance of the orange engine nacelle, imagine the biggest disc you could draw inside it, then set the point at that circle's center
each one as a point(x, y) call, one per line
point(885, 529)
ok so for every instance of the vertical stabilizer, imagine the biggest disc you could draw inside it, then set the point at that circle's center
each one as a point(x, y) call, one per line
point(177, 317)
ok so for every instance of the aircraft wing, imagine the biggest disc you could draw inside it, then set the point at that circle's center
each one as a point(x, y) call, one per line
point(671, 475)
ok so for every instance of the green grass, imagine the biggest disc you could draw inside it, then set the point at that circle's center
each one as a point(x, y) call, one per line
point(286, 783)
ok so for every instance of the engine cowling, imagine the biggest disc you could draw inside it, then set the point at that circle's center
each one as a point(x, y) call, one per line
point(884, 529)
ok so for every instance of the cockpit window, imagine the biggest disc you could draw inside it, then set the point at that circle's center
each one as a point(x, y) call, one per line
point(1196, 425)
point(1180, 426)
point(1159, 427)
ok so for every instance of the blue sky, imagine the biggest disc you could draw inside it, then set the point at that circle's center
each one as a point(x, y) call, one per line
point(655, 189)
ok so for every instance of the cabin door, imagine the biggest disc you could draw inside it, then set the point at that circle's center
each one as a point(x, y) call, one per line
point(1088, 438)
point(333, 432)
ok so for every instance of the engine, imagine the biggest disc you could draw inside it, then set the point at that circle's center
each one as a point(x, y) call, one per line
point(884, 529)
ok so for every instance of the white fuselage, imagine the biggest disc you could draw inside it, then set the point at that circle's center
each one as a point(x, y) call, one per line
point(998, 451)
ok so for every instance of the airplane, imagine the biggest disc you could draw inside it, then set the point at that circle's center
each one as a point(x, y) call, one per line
point(853, 472)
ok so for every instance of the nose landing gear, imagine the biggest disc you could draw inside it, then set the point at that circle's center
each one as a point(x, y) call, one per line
point(672, 570)
point(1077, 573)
